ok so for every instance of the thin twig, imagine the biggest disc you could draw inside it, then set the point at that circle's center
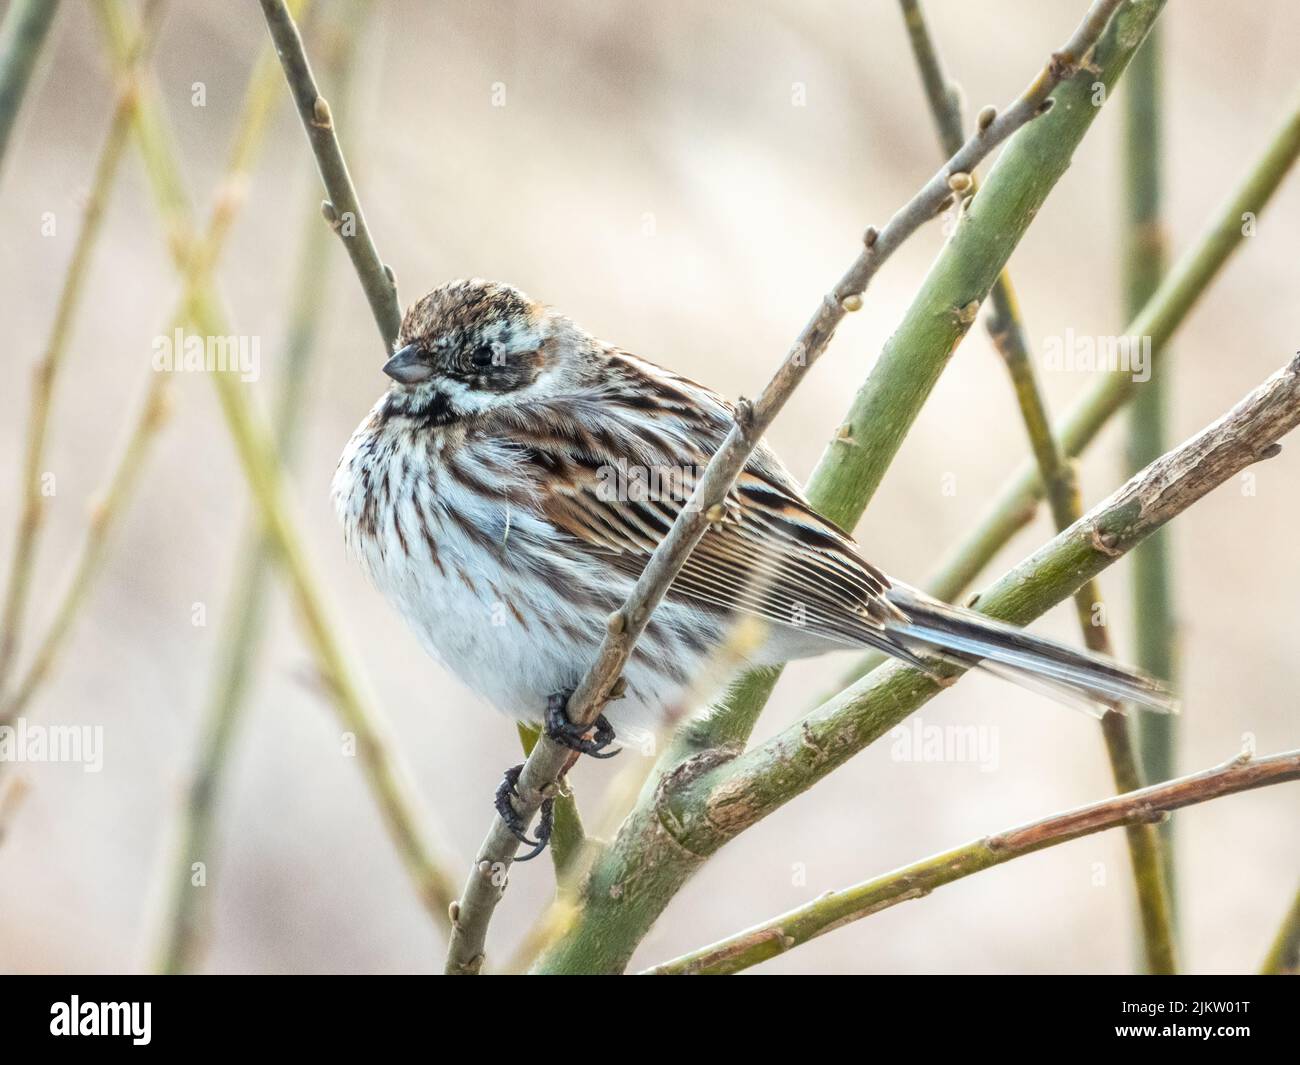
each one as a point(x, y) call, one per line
point(568, 837)
point(838, 908)
point(202, 256)
point(22, 35)
point(885, 408)
point(775, 771)
point(703, 804)
point(342, 209)
point(386, 773)
point(188, 919)
point(376, 278)
point(485, 885)
point(617, 801)
point(32, 514)
point(104, 513)
point(343, 213)
point(1015, 505)
point(1008, 332)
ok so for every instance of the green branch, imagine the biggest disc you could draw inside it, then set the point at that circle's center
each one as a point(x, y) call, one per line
point(189, 919)
point(32, 513)
point(1143, 257)
point(539, 779)
point(1160, 319)
point(838, 908)
point(1164, 313)
point(385, 772)
point(886, 406)
point(862, 448)
point(1060, 484)
point(105, 511)
point(710, 800)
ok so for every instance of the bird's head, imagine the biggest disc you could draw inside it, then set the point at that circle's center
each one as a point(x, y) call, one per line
point(469, 346)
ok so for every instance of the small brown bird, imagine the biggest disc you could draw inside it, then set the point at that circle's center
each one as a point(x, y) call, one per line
point(510, 486)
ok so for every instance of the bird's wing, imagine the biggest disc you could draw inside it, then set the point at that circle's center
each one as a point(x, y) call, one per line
point(613, 473)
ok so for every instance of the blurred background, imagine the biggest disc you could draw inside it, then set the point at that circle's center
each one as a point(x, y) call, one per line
point(656, 173)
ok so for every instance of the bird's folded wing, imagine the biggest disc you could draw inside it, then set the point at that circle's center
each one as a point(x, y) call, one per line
point(771, 555)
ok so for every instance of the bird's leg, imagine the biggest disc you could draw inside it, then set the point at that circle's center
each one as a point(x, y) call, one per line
point(507, 792)
point(567, 734)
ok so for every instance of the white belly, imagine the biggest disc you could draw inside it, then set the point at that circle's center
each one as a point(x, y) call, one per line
point(510, 637)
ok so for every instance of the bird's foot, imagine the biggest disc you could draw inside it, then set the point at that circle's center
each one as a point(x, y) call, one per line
point(507, 792)
point(574, 737)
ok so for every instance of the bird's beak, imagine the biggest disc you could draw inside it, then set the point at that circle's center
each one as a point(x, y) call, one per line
point(409, 366)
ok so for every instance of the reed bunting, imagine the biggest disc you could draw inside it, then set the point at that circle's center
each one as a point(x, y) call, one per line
point(511, 484)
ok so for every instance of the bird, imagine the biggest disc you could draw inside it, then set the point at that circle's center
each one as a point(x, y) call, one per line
point(511, 484)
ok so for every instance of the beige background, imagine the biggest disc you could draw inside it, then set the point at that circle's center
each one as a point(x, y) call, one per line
point(617, 112)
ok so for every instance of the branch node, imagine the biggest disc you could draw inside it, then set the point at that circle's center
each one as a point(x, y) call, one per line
point(869, 237)
point(986, 118)
point(745, 411)
point(810, 740)
point(959, 181)
point(852, 302)
point(1105, 542)
point(321, 116)
point(1061, 66)
point(997, 844)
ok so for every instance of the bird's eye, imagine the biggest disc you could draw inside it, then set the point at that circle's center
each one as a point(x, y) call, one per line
point(483, 357)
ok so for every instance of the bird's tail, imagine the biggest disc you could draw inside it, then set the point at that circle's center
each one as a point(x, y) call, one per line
point(935, 630)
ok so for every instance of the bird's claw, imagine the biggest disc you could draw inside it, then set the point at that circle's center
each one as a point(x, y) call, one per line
point(506, 793)
point(574, 737)
point(566, 734)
